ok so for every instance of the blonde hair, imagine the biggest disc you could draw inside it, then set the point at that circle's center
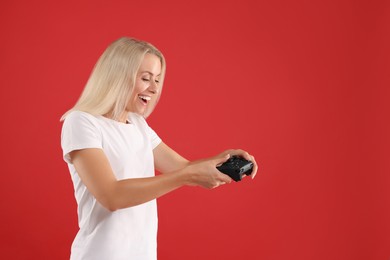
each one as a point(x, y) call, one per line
point(112, 80)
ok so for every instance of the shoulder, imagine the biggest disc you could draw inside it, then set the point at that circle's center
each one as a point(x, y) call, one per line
point(79, 115)
point(80, 119)
point(80, 130)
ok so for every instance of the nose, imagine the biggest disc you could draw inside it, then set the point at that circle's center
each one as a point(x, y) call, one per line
point(153, 87)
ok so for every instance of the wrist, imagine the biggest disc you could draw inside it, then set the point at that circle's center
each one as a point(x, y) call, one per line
point(186, 176)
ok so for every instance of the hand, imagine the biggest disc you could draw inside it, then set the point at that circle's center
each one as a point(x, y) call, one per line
point(245, 155)
point(205, 174)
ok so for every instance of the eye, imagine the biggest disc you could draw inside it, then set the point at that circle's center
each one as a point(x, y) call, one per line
point(157, 81)
point(145, 79)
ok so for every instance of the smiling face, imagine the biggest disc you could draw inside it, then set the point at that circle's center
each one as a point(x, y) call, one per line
point(146, 86)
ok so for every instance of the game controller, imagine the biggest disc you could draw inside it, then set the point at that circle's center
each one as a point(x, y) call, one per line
point(235, 167)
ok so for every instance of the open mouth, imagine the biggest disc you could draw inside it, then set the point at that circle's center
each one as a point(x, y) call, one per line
point(144, 99)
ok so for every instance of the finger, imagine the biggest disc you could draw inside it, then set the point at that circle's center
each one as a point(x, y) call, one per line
point(255, 168)
point(216, 185)
point(251, 158)
point(242, 153)
point(224, 178)
point(221, 159)
point(246, 155)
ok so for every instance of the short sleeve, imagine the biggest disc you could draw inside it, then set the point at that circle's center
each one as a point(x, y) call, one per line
point(153, 137)
point(79, 131)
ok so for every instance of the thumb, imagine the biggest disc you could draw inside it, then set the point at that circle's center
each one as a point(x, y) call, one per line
point(221, 159)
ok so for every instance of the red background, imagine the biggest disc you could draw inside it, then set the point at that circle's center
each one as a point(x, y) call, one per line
point(302, 85)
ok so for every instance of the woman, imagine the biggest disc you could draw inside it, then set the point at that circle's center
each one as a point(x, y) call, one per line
point(112, 155)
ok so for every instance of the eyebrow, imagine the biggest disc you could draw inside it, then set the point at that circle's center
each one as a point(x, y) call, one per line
point(150, 73)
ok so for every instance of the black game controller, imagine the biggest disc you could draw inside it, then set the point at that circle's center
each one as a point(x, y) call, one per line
point(236, 167)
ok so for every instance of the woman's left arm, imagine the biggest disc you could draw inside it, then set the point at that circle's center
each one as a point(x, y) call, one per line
point(167, 160)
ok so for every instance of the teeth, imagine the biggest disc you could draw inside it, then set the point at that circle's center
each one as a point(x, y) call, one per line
point(145, 97)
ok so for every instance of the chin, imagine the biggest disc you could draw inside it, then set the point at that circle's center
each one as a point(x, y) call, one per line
point(140, 112)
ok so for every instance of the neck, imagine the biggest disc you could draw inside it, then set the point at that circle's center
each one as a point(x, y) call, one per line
point(122, 118)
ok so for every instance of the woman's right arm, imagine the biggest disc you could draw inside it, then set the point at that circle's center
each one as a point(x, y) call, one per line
point(96, 173)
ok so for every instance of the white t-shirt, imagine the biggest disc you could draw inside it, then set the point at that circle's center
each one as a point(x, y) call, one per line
point(129, 233)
